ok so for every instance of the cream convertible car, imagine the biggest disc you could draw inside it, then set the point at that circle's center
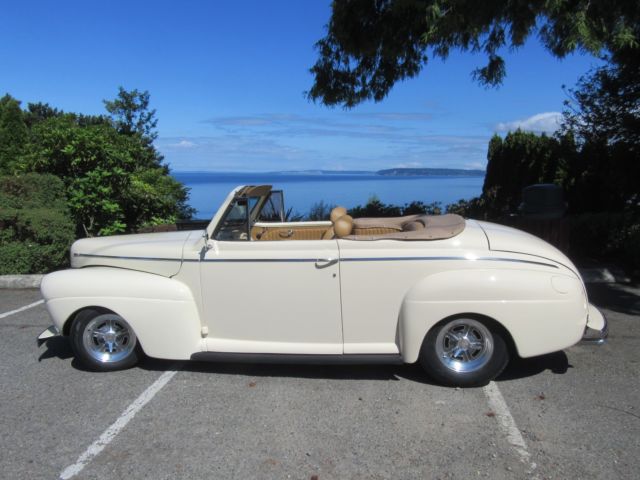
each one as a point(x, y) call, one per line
point(458, 296)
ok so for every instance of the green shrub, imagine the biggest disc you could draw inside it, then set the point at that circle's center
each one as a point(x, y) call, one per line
point(612, 234)
point(35, 227)
point(320, 211)
point(417, 207)
point(474, 208)
point(375, 208)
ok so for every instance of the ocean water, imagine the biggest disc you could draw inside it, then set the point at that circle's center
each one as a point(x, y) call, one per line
point(301, 191)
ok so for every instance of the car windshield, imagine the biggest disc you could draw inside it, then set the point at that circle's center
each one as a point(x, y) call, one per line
point(273, 208)
point(235, 224)
point(252, 204)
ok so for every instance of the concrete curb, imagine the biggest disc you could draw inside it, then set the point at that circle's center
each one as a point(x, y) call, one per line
point(603, 275)
point(20, 281)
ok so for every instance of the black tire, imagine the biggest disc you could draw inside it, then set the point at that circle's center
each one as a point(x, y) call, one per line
point(88, 339)
point(444, 357)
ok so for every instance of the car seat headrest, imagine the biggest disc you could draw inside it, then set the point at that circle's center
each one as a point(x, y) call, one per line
point(336, 213)
point(343, 226)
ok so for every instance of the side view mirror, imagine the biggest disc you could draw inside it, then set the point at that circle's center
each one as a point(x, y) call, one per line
point(210, 244)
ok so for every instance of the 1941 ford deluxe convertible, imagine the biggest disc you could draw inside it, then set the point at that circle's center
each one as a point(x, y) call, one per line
point(459, 296)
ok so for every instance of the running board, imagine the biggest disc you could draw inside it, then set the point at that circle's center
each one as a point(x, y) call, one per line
point(271, 358)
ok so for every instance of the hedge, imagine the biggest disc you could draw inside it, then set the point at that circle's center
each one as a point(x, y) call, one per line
point(36, 229)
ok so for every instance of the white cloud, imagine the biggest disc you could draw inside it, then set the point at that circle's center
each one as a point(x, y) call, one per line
point(547, 122)
point(182, 144)
point(474, 166)
point(408, 165)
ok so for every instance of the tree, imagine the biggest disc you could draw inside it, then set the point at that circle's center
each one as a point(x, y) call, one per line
point(605, 106)
point(372, 44)
point(522, 159)
point(114, 182)
point(131, 114)
point(38, 112)
point(13, 134)
point(604, 116)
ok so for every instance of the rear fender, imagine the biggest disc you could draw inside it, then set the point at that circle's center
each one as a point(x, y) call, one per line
point(542, 311)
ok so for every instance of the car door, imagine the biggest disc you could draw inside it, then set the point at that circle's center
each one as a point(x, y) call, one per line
point(272, 296)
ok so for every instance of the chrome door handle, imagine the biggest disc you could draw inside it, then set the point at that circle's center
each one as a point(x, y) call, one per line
point(326, 262)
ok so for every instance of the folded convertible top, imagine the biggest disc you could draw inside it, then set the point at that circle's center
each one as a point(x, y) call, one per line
point(411, 227)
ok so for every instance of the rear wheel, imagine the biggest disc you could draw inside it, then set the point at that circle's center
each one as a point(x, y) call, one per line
point(464, 352)
point(104, 341)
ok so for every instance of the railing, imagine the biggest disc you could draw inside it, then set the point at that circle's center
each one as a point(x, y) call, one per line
point(555, 231)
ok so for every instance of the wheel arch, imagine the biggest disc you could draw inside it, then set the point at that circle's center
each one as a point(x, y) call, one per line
point(66, 327)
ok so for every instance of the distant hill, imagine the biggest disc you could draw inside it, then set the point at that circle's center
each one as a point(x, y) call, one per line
point(323, 172)
point(390, 172)
point(430, 172)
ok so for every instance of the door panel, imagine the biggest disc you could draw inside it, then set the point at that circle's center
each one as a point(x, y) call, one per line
point(272, 297)
point(376, 276)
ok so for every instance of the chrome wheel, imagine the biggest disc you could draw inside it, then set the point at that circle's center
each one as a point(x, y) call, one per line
point(464, 345)
point(108, 338)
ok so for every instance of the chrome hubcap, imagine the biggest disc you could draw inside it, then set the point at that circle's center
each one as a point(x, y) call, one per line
point(464, 345)
point(108, 338)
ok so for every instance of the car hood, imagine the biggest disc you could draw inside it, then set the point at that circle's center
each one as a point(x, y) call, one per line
point(507, 239)
point(159, 253)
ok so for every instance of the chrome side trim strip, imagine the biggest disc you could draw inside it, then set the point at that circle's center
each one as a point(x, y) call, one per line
point(396, 259)
point(479, 259)
point(301, 260)
point(260, 260)
point(517, 260)
point(117, 257)
point(538, 256)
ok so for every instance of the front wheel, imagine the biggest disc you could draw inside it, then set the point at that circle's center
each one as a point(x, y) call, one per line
point(464, 352)
point(104, 341)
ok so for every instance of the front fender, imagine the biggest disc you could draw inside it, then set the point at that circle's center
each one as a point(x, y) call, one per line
point(543, 311)
point(161, 310)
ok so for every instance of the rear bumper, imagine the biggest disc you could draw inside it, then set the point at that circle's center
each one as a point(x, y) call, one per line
point(597, 329)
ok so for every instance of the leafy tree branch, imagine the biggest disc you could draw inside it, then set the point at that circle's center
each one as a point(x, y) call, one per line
point(371, 45)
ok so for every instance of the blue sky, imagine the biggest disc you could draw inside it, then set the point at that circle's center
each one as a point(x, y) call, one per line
point(227, 79)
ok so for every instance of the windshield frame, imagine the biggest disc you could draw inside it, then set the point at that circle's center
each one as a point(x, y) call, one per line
point(262, 194)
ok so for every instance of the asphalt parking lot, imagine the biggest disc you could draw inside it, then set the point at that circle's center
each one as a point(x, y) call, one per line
point(568, 415)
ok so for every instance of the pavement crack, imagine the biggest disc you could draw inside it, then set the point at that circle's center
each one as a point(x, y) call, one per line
point(620, 410)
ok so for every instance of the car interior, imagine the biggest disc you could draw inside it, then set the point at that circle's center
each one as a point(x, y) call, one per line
point(257, 214)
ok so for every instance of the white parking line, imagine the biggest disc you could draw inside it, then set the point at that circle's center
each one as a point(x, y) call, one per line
point(508, 424)
point(21, 309)
point(110, 433)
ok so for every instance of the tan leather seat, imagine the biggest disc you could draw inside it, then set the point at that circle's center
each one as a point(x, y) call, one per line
point(297, 233)
point(328, 234)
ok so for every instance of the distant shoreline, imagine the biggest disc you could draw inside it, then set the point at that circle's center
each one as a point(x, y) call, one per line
point(429, 172)
point(391, 172)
